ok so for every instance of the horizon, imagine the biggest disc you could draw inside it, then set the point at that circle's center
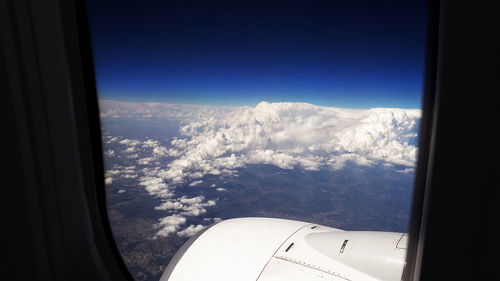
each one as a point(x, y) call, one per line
point(246, 105)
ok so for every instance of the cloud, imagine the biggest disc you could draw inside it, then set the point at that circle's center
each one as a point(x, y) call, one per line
point(150, 143)
point(130, 142)
point(108, 180)
point(170, 224)
point(109, 153)
point(133, 156)
point(112, 173)
point(220, 140)
point(156, 186)
point(130, 149)
point(190, 230)
point(145, 161)
point(128, 169)
point(147, 111)
point(121, 171)
point(121, 191)
point(291, 135)
point(406, 171)
point(109, 139)
point(194, 206)
point(212, 220)
point(160, 151)
point(195, 183)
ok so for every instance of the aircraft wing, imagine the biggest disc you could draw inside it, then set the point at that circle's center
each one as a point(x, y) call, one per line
point(267, 249)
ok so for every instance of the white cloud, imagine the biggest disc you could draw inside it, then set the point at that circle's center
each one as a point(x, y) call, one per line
point(195, 183)
point(219, 140)
point(406, 171)
point(170, 224)
point(160, 151)
point(109, 139)
point(121, 191)
point(155, 186)
point(194, 206)
point(150, 143)
point(288, 135)
point(192, 200)
point(198, 208)
point(133, 156)
point(108, 180)
point(190, 230)
point(109, 153)
point(130, 149)
point(130, 142)
point(170, 205)
point(212, 220)
point(148, 111)
point(112, 173)
point(129, 169)
point(124, 172)
point(145, 161)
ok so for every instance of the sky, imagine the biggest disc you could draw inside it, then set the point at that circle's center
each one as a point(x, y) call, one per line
point(356, 54)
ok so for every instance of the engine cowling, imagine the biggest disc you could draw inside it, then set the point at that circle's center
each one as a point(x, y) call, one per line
point(266, 249)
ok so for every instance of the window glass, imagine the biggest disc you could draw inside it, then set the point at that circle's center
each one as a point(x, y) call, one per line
point(210, 110)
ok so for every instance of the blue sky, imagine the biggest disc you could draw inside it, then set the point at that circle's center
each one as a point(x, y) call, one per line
point(356, 54)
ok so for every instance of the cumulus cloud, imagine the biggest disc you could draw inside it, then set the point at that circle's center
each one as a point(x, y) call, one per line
point(406, 171)
point(190, 230)
point(145, 161)
point(212, 220)
point(219, 140)
point(127, 172)
point(194, 206)
point(112, 172)
point(195, 183)
point(156, 186)
point(130, 142)
point(291, 135)
point(109, 139)
point(130, 149)
point(133, 156)
point(109, 153)
point(150, 143)
point(170, 224)
point(121, 191)
point(108, 180)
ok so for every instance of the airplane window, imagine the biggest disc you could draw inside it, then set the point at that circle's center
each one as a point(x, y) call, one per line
point(306, 111)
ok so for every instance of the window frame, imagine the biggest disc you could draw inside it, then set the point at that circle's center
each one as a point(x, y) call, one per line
point(56, 144)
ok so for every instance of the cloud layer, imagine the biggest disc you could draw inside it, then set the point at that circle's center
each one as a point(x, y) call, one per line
point(218, 141)
point(288, 135)
point(151, 110)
